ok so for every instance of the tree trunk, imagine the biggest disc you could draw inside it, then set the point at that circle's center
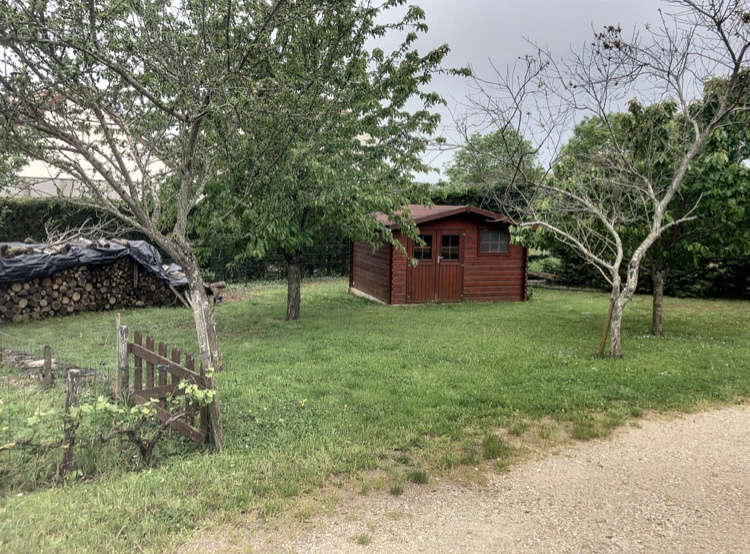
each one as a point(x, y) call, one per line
point(626, 295)
point(208, 343)
point(618, 308)
point(293, 279)
point(203, 314)
point(608, 321)
point(658, 302)
point(615, 344)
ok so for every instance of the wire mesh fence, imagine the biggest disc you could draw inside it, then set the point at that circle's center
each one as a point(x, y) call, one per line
point(327, 258)
point(33, 389)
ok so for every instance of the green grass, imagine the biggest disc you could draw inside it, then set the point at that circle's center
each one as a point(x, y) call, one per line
point(352, 386)
point(417, 476)
point(493, 447)
point(363, 539)
point(397, 489)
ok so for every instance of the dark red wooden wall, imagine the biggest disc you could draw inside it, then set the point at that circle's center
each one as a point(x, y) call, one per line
point(370, 271)
point(485, 277)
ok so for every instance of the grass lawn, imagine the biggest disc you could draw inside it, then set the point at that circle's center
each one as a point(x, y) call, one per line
point(354, 386)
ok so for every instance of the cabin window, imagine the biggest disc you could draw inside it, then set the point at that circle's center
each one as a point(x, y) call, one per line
point(493, 242)
point(423, 252)
point(449, 247)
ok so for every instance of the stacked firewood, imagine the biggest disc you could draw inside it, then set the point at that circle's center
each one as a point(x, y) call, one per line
point(121, 284)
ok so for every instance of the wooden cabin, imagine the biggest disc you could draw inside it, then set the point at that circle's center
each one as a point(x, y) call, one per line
point(467, 255)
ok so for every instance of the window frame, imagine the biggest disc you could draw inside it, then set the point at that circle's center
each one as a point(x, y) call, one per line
point(492, 230)
point(416, 246)
point(450, 233)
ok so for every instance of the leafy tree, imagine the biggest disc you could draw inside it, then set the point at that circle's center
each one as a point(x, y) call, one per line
point(10, 162)
point(336, 141)
point(544, 97)
point(122, 96)
point(717, 190)
point(490, 161)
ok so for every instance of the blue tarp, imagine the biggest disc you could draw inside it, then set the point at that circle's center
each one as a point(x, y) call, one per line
point(24, 267)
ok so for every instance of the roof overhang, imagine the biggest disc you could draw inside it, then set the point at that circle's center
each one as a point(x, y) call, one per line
point(425, 214)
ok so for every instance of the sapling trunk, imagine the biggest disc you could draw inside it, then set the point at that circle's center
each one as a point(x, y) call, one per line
point(608, 321)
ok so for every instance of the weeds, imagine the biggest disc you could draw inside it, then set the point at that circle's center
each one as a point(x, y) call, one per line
point(493, 447)
point(418, 476)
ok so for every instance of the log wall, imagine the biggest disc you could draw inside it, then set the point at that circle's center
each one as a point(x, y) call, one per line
point(122, 284)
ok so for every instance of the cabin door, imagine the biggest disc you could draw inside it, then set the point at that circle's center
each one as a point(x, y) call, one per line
point(439, 273)
point(420, 279)
point(450, 268)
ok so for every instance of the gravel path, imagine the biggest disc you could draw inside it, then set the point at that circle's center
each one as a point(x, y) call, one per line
point(680, 485)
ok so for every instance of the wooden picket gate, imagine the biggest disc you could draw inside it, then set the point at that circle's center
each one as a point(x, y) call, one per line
point(157, 375)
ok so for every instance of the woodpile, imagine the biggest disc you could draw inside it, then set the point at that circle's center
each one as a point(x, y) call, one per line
point(121, 284)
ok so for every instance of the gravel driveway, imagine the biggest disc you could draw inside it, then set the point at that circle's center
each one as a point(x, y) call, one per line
point(679, 485)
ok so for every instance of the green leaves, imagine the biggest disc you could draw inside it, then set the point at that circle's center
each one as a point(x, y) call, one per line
point(331, 140)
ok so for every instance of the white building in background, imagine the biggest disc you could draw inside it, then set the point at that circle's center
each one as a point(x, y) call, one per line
point(40, 179)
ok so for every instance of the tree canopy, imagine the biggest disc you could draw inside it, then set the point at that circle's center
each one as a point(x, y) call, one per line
point(544, 96)
point(339, 140)
point(121, 96)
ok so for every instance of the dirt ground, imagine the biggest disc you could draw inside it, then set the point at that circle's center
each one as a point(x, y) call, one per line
point(669, 485)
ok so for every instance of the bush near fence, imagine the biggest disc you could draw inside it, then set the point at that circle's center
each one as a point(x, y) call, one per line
point(35, 430)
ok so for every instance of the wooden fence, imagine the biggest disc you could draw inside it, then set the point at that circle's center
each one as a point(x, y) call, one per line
point(157, 374)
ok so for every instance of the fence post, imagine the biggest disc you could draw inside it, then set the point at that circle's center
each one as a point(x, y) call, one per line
point(2, 352)
point(123, 371)
point(47, 368)
point(71, 400)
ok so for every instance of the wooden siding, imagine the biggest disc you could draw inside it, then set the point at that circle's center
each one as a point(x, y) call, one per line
point(370, 270)
point(399, 266)
point(386, 273)
point(494, 276)
point(485, 276)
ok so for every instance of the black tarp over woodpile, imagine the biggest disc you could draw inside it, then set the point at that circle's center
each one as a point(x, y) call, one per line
point(39, 281)
point(21, 262)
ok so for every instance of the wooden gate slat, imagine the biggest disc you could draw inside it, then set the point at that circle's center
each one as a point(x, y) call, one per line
point(175, 379)
point(163, 415)
point(153, 358)
point(161, 392)
point(166, 384)
point(162, 372)
point(204, 409)
point(190, 407)
point(149, 362)
point(138, 371)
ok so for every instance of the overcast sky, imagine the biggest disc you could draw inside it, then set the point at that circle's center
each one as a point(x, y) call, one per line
point(480, 30)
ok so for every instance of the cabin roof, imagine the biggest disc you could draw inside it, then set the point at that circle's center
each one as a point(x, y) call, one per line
point(422, 214)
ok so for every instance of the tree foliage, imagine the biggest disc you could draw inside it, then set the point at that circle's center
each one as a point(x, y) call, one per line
point(715, 192)
point(482, 163)
point(338, 139)
point(629, 181)
point(120, 96)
